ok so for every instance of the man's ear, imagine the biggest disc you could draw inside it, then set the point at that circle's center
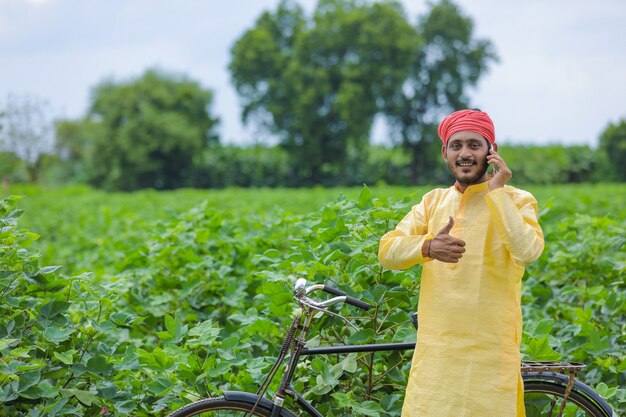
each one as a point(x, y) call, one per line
point(444, 151)
point(495, 147)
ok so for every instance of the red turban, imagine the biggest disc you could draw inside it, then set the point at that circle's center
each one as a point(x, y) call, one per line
point(473, 120)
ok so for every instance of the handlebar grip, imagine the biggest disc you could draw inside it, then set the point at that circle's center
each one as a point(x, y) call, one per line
point(334, 291)
point(350, 300)
point(358, 303)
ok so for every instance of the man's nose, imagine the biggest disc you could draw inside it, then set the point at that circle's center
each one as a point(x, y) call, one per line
point(465, 152)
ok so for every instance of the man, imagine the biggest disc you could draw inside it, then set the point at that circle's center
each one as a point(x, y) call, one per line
point(474, 240)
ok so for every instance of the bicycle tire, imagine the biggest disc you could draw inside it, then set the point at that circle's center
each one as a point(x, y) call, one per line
point(223, 407)
point(553, 386)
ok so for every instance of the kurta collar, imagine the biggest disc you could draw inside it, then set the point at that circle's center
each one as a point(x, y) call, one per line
point(476, 188)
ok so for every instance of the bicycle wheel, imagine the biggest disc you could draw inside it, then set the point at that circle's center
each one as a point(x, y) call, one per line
point(222, 407)
point(544, 392)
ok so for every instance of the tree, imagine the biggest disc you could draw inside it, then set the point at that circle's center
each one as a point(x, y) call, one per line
point(447, 64)
point(27, 131)
point(613, 144)
point(11, 169)
point(318, 83)
point(149, 132)
point(74, 145)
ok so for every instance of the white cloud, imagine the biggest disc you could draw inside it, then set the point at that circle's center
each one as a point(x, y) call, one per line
point(35, 2)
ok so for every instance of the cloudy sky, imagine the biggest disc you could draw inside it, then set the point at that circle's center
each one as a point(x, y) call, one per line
point(561, 76)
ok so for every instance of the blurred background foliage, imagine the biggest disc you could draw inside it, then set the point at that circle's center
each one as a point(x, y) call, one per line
point(314, 85)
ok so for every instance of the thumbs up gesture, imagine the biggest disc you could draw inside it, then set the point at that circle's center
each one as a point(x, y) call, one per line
point(446, 248)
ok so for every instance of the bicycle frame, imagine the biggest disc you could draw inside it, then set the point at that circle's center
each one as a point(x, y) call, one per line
point(298, 350)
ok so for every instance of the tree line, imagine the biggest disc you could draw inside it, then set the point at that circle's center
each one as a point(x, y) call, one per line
point(316, 83)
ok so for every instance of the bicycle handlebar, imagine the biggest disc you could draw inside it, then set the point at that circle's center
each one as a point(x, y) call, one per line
point(300, 290)
point(358, 303)
point(334, 291)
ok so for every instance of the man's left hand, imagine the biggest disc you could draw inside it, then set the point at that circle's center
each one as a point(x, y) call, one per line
point(502, 174)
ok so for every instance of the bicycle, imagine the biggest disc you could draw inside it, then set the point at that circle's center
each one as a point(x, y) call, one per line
point(550, 388)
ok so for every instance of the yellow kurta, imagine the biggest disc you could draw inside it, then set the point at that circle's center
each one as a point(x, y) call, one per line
point(467, 360)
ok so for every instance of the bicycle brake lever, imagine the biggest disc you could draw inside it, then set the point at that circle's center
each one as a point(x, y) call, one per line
point(310, 303)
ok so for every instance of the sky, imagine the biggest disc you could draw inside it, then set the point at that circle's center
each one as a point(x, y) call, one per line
point(561, 76)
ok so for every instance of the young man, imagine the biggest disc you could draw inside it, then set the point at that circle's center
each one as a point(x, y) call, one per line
point(474, 240)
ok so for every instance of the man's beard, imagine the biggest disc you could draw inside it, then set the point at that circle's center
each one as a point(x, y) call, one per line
point(482, 169)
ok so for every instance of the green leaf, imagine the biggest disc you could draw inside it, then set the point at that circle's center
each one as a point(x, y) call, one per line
point(48, 270)
point(175, 330)
point(539, 350)
point(327, 380)
point(160, 386)
point(31, 393)
point(204, 334)
point(366, 408)
point(28, 379)
point(8, 395)
point(157, 359)
point(398, 297)
point(278, 292)
point(405, 335)
point(203, 235)
point(362, 336)
point(221, 367)
point(365, 198)
point(604, 390)
point(390, 402)
point(54, 308)
point(30, 366)
point(99, 365)
point(328, 215)
point(349, 364)
point(57, 334)
point(47, 390)
point(123, 319)
point(542, 328)
point(5, 343)
point(22, 352)
point(125, 406)
point(85, 397)
point(598, 344)
point(173, 326)
point(165, 336)
point(65, 357)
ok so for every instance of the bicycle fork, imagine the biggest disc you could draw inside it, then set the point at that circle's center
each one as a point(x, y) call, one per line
point(294, 342)
point(297, 343)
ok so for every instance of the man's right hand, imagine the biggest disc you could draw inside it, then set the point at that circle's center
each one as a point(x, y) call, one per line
point(446, 248)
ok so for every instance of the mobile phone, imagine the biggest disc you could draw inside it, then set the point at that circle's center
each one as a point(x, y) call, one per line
point(493, 166)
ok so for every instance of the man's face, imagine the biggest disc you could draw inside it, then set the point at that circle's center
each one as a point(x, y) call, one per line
point(466, 154)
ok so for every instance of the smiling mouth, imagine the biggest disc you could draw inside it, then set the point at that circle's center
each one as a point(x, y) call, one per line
point(465, 164)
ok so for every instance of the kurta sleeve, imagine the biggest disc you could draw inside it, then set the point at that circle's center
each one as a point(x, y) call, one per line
point(401, 248)
point(517, 223)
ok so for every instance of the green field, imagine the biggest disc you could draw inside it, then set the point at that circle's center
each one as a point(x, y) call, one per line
point(189, 290)
point(83, 228)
